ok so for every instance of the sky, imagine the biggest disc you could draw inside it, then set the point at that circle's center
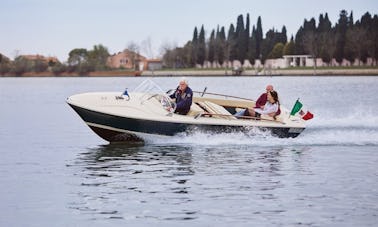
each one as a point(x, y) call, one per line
point(55, 27)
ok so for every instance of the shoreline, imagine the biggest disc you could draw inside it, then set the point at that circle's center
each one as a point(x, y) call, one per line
point(275, 72)
point(215, 72)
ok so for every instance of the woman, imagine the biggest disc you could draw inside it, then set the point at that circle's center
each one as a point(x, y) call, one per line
point(270, 108)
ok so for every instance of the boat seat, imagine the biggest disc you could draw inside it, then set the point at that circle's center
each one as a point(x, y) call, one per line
point(195, 110)
point(216, 109)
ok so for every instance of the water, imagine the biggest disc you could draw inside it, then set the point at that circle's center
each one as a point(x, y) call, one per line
point(54, 171)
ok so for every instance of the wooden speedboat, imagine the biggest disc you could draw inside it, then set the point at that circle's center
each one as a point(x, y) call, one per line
point(131, 116)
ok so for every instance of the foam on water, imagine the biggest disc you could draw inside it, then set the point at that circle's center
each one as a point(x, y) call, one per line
point(354, 129)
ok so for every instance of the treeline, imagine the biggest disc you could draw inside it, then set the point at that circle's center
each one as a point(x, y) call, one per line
point(345, 40)
point(80, 60)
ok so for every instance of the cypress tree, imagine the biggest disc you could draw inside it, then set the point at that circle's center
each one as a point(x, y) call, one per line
point(240, 39)
point(211, 54)
point(282, 38)
point(246, 38)
point(194, 49)
point(324, 24)
point(374, 38)
point(259, 37)
point(221, 46)
point(326, 38)
point(341, 28)
point(350, 20)
point(369, 43)
point(252, 47)
point(231, 44)
point(201, 54)
point(353, 38)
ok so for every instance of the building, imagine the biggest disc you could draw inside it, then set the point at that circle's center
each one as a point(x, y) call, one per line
point(126, 59)
point(153, 64)
point(36, 57)
point(297, 60)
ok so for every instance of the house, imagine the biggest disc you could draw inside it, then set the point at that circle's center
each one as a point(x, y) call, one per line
point(153, 64)
point(126, 59)
point(131, 60)
point(35, 57)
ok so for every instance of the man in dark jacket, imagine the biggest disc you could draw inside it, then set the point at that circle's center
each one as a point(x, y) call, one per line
point(183, 97)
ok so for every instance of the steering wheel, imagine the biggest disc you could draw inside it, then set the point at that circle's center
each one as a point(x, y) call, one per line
point(168, 105)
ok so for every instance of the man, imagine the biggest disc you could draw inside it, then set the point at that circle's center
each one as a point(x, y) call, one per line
point(183, 97)
point(260, 103)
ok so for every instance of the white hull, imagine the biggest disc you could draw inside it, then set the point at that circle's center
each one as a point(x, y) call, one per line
point(117, 119)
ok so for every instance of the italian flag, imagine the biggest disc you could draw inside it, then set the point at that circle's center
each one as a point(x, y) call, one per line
point(306, 115)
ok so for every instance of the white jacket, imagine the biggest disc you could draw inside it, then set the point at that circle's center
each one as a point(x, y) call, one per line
point(268, 108)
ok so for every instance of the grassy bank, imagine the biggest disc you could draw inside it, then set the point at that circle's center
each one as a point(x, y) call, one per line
point(298, 71)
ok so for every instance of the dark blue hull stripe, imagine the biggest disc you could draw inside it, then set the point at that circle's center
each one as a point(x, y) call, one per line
point(116, 128)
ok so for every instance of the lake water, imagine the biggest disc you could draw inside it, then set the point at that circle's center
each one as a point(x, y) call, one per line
point(54, 171)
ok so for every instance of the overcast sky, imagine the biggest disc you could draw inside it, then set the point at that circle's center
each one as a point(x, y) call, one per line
point(55, 27)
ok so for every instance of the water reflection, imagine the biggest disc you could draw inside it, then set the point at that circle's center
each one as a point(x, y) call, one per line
point(127, 173)
point(181, 182)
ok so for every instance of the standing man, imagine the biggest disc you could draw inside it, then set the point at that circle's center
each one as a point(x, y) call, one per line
point(183, 97)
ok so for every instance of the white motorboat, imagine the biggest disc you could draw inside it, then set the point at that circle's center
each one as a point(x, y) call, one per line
point(130, 116)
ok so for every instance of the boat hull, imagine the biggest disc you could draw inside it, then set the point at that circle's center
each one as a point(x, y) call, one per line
point(115, 128)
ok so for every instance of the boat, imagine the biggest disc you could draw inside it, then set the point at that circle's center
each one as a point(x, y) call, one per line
point(132, 116)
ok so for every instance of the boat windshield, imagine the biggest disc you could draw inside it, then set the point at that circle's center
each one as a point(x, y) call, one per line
point(151, 90)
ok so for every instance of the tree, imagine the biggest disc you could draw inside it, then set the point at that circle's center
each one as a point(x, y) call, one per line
point(324, 23)
point(77, 56)
point(241, 40)
point(289, 48)
point(231, 44)
point(58, 68)
point(268, 44)
point(5, 65)
point(212, 46)
point(133, 50)
point(78, 61)
point(220, 43)
point(201, 54)
point(246, 38)
point(167, 50)
point(326, 40)
point(370, 24)
point(98, 57)
point(341, 29)
point(252, 47)
point(186, 55)
point(40, 65)
point(373, 50)
point(21, 65)
point(282, 37)
point(194, 49)
point(277, 51)
point(259, 38)
point(299, 49)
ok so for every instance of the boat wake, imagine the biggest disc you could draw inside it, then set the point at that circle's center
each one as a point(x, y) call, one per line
point(347, 131)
